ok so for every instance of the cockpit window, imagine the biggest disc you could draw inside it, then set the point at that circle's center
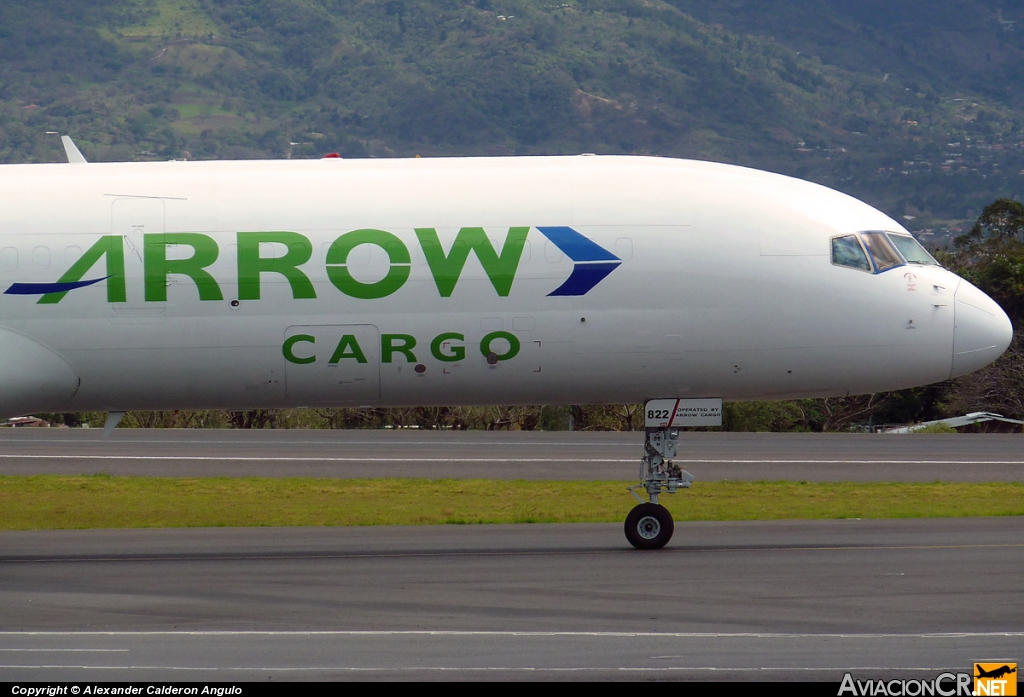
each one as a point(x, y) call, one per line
point(912, 250)
point(882, 250)
point(847, 251)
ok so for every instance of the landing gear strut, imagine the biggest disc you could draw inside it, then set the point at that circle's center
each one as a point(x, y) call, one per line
point(650, 525)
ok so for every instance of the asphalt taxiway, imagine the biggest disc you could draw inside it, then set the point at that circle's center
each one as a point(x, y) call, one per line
point(509, 455)
point(782, 600)
point(799, 600)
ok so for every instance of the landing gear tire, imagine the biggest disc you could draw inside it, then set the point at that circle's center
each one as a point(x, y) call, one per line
point(649, 526)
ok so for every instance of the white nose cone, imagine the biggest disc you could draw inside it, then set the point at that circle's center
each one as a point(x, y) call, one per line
point(982, 333)
point(32, 377)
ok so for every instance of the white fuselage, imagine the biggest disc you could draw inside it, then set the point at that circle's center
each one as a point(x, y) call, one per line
point(717, 281)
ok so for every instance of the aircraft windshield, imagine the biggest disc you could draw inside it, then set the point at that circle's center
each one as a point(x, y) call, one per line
point(912, 250)
point(846, 251)
point(882, 250)
point(876, 252)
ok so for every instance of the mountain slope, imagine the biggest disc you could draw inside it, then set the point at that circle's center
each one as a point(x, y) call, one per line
point(847, 94)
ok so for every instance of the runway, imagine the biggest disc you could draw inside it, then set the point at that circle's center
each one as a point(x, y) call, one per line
point(799, 600)
point(509, 455)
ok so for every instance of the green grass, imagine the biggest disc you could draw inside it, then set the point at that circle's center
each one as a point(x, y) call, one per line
point(101, 501)
point(173, 18)
point(196, 118)
point(200, 111)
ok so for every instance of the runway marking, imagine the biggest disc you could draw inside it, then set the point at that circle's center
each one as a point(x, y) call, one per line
point(525, 553)
point(68, 650)
point(334, 442)
point(407, 669)
point(507, 634)
point(237, 458)
point(468, 669)
point(519, 633)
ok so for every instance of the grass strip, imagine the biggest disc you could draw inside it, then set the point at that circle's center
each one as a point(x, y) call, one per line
point(51, 502)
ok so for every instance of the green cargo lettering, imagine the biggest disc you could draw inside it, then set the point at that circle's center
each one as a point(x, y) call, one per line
point(501, 270)
point(457, 352)
point(251, 265)
point(110, 246)
point(398, 259)
point(513, 345)
point(288, 349)
point(388, 348)
point(348, 347)
point(157, 267)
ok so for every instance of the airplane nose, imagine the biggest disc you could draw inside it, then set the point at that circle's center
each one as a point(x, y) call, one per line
point(982, 331)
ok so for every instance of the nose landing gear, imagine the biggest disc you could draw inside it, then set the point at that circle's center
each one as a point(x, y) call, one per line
point(650, 525)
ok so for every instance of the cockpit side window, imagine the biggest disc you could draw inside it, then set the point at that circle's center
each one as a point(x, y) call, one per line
point(882, 250)
point(847, 251)
point(912, 250)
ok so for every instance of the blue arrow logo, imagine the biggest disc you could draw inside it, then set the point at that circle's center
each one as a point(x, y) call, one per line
point(46, 288)
point(592, 262)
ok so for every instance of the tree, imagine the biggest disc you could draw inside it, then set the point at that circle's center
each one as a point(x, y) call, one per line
point(991, 257)
point(1001, 219)
point(998, 388)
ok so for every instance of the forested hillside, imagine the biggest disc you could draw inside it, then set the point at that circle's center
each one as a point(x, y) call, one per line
point(915, 107)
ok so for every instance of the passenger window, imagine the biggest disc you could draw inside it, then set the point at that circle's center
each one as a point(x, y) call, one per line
point(552, 252)
point(8, 259)
point(846, 251)
point(912, 250)
point(882, 250)
point(176, 252)
point(272, 250)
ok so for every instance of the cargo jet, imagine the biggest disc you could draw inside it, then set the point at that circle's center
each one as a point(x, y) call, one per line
point(400, 282)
